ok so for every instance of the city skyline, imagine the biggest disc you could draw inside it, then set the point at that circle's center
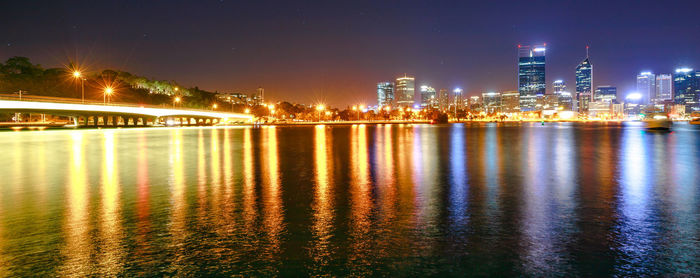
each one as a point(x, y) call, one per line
point(318, 63)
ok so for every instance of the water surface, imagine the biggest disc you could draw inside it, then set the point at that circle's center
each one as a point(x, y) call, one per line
point(463, 199)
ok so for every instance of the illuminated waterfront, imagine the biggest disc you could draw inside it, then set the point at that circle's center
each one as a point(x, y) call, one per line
point(484, 198)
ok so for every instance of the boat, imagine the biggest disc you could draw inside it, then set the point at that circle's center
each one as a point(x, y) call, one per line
point(657, 121)
point(695, 118)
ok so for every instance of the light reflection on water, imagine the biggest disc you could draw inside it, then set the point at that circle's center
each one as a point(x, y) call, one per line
point(492, 199)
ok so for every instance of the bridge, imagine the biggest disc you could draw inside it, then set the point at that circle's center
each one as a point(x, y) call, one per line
point(116, 114)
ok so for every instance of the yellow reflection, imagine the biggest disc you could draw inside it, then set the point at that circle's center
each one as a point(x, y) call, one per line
point(273, 217)
point(323, 202)
point(361, 203)
point(143, 210)
point(76, 229)
point(201, 176)
point(111, 251)
point(178, 203)
point(248, 180)
point(228, 171)
point(215, 170)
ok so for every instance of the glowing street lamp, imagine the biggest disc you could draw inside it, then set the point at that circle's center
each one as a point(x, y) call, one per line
point(247, 111)
point(108, 92)
point(320, 108)
point(176, 100)
point(78, 75)
point(214, 106)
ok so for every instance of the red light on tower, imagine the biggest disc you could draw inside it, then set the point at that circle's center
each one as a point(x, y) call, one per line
point(519, 46)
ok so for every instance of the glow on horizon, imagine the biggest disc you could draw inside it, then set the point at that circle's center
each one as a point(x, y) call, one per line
point(157, 112)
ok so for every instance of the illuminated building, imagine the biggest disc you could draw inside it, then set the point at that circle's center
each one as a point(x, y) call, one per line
point(531, 75)
point(608, 94)
point(259, 97)
point(550, 102)
point(474, 104)
point(597, 108)
point(458, 98)
point(664, 88)
point(686, 88)
point(565, 101)
point(584, 83)
point(510, 102)
point(405, 91)
point(428, 97)
point(559, 86)
point(491, 102)
point(443, 99)
point(385, 93)
point(646, 85)
point(234, 98)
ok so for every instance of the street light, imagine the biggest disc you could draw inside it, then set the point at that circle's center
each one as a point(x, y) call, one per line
point(108, 91)
point(78, 75)
point(320, 108)
point(176, 100)
point(214, 106)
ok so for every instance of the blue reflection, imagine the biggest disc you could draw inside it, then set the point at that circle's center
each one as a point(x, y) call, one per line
point(458, 179)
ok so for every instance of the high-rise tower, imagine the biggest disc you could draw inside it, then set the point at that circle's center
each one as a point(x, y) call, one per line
point(584, 83)
point(531, 75)
point(405, 91)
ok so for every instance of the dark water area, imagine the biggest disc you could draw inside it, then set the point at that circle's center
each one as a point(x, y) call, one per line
point(561, 199)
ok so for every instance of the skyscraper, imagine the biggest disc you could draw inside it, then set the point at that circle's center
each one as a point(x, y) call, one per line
point(385, 93)
point(686, 88)
point(458, 99)
point(606, 94)
point(510, 102)
point(646, 86)
point(559, 86)
point(444, 100)
point(531, 75)
point(492, 102)
point(405, 91)
point(428, 97)
point(664, 88)
point(584, 83)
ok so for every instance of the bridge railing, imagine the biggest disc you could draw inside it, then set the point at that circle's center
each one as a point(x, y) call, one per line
point(92, 102)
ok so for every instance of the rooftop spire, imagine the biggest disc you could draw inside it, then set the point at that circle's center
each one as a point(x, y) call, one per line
point(587, 51)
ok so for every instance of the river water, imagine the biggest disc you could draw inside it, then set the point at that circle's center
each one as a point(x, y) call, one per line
point(559, 199)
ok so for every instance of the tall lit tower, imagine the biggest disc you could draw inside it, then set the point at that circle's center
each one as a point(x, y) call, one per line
point(664, 88)
point(584, 83)
point(531, 75)
point(428, 97)
point(405, 91)
point(385, 93)
point(559, 86)
point(686, 88)
point(646, 86)
point(458, 98)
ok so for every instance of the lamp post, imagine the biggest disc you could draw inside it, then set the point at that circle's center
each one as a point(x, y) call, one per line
point(320, 108)
point(108, 91)
point(176, 101)
point(77, 74)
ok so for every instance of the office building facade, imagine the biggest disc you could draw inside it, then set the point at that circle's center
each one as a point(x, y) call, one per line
point(686, 88)
point(405, 91)
point(664, 88)
point(584, 84)
point(646, 86)
point(385, 93)
point(606, 94)
point(531, 75)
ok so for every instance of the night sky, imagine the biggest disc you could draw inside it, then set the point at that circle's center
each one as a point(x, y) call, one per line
point(335, 52)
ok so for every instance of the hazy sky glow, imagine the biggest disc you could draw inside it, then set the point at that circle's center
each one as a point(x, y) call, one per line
point(335, 52)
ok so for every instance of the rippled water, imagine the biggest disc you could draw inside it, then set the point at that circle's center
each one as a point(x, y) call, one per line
point(482, 199)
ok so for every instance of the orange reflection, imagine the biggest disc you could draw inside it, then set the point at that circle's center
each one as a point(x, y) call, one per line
point(178, 202)
point(249, 212)
point(143, 208)
point(77, 247)
point(322, 229)
point(110, 258)
point(215, 170)
point(201, 177)
point(361, 203)
point(273, 217)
